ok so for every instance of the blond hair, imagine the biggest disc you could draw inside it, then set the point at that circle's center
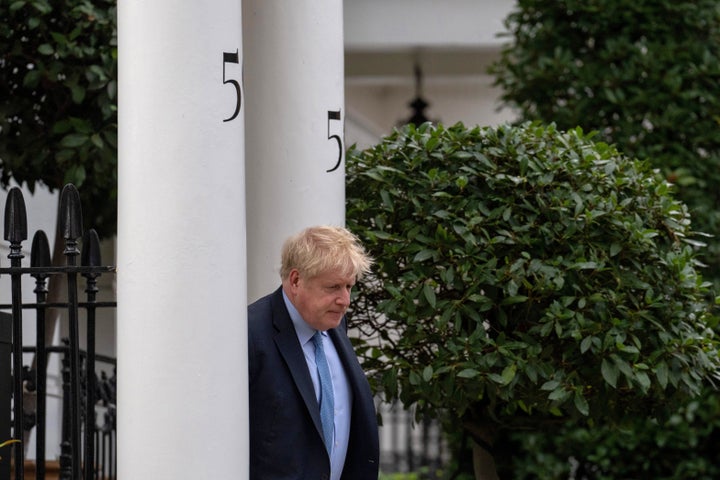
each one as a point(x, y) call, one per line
point(324, 248)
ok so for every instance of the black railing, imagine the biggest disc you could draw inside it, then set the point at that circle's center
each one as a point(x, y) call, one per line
point(87, 449)
point(410, 446)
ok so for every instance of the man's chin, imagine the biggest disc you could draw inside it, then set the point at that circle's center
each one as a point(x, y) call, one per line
point(335, 321)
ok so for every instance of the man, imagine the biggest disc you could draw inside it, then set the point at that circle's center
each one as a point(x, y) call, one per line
point(303, 369)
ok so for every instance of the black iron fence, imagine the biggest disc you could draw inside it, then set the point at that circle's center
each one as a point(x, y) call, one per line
point(408, 445)
point(87, 446)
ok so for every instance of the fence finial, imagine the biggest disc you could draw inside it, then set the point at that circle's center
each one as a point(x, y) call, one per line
point(70, 213)
point(90, 256)
point(40, 251)
point(15, 217)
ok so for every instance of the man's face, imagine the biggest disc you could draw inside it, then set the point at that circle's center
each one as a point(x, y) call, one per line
point(321, 300)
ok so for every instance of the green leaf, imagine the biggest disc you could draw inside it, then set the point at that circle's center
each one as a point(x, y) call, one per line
point(643, 380)
point(427, 373)
point(627, 348)
point(508, 374)
point(62, 126)
point(523, 406)
point(46, 49)
point(423, 255)
point(74, 140)
point(514, 299)
point(586, 265)
point(77, 92)
point(556, 412)
point(550, 385)
point(97, 141)
point(75, 175)
point(623, 366)
point(468, 373)
point(560, 395)
point(661, 372)
point(429, 293)
point(581, 404)
point(609, 372)
point(32, 78)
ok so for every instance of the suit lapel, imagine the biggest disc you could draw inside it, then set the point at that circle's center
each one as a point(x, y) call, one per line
point(291, 351)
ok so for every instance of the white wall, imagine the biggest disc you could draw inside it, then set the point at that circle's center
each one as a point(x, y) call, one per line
point(374, 109)
point(452, 41)
point(383, 24)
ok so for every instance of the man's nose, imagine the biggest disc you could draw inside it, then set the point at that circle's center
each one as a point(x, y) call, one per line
point(344, 297)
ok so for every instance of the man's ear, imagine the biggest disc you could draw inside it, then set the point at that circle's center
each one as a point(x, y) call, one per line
point(294, 278)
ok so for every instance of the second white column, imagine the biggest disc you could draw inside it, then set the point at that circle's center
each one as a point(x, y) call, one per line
point(294, 134)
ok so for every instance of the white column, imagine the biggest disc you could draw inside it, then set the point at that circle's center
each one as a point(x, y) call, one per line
point(294, 135)
point(182, 346)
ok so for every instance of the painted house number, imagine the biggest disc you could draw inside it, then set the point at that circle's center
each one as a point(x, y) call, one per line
point(332, 115)
point(232, 57)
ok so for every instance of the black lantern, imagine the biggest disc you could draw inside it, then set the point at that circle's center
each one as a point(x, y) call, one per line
point(418, 104)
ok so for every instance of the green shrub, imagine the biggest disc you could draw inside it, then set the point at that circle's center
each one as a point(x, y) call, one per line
point(685, 446)
point(644, 74)
point(525, 274)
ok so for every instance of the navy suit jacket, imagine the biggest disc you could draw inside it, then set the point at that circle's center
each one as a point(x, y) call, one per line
point(285, 431)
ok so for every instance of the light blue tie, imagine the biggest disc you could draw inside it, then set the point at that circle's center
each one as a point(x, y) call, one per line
point(327, 401)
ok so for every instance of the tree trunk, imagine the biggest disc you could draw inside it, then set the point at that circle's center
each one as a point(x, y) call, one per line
point(483, 435)
point(483, 464)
